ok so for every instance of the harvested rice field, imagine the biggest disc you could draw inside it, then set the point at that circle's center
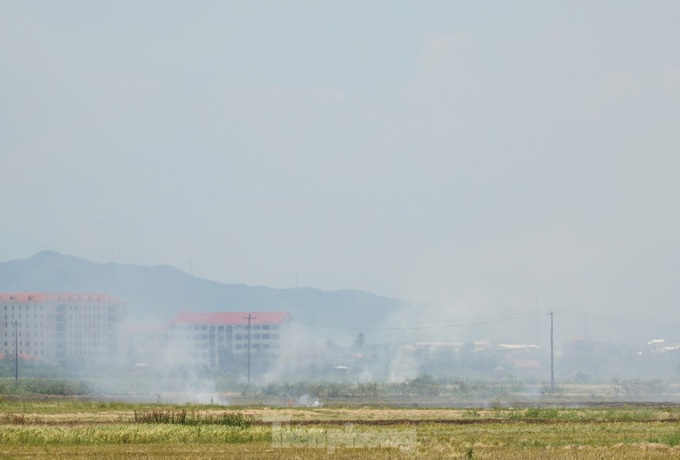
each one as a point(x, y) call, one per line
point(80, 429)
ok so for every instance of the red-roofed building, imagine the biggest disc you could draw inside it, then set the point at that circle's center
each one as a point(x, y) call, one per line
point(199, 337)
point(22, 356)
point(231, 318)
point(59, 328)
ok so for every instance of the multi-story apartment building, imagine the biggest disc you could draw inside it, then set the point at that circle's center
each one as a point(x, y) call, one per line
point(199, 338)
point(58, 328)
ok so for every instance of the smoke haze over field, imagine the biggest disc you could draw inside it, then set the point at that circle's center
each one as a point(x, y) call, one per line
point(485, 159)
point(343, 344)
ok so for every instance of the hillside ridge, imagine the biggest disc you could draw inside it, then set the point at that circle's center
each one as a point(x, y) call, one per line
point(158, 293)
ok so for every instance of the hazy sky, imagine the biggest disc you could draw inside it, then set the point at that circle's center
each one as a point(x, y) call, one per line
point(469, 153)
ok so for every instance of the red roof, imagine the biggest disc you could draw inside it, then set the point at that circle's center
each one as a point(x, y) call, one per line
point(527, 364)
point(274, 317)
point(24, 356)
point(55, 297)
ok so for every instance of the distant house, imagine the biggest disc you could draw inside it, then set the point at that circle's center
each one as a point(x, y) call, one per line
point(21, 356)
point(526, 364)
point(58, 328)
point(199, 338)
point(662, 346)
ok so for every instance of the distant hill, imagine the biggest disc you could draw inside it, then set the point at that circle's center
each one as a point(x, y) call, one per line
point(158, 293)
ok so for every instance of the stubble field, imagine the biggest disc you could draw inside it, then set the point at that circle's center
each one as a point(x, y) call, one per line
point(66, 428)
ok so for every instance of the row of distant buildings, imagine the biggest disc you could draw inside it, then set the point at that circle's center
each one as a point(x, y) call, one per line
point(207, 339)
point(90, 330)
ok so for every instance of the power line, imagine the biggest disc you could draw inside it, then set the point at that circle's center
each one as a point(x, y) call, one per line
point(412, 328)
point(638, 319)
point(439, 321)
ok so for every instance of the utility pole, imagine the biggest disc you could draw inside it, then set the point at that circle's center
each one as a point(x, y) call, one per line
point(249, 318)
point(552, 353)
point(16, 347)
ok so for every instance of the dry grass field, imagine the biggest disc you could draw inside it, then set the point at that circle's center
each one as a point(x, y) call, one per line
point(64, 428)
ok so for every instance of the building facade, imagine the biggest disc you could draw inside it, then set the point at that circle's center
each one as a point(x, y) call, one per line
point(200, 338)
point(63, 328)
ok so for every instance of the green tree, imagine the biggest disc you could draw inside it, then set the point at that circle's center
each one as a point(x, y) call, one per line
point(359, 341)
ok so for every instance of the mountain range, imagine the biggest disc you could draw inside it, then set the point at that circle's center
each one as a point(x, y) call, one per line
point(157, 294)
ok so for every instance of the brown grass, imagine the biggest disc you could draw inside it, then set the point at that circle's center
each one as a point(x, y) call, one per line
point(69, 430)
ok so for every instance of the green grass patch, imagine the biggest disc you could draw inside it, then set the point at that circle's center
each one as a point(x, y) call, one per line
point(130, 434)
point(43, 386)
